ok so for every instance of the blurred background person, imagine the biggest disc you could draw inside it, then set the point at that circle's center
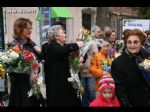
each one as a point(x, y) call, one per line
point(147, 41)
point(96, 64)
point(88, 50)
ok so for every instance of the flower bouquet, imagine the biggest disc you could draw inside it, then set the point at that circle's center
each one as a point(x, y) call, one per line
point(85, 34)
point(145, 69)
point(2, 77)
point(18, 60)
point(74, 70)
point(106, 64)
point(145, 64)
point(35, 88)
point(119, 44)
point(2, 70)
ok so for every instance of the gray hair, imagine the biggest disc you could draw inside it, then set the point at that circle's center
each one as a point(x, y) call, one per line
point(53, 32)
point(94, 27)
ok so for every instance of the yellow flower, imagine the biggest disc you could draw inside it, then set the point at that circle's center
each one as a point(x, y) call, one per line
point(81, 90)
point(105, 61)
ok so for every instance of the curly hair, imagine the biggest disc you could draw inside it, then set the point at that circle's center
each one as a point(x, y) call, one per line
point(53, 32)
point(19, 25)
point(136, 32)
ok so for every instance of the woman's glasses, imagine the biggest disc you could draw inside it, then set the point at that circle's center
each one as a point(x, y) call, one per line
point(29, 28)
point(135, 42)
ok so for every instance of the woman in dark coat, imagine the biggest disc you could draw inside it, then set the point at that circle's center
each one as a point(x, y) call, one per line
point(56, 67)
point(20, 82)
point(131, 87)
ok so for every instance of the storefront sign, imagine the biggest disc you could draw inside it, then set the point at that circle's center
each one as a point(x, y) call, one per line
point(140, 24)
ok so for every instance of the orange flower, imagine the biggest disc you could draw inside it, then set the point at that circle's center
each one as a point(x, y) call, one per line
point(16, 49)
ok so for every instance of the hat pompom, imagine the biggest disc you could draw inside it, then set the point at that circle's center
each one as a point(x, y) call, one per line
point(106, 82)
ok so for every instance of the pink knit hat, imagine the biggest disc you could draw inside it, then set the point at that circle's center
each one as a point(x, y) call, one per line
point(106, 82)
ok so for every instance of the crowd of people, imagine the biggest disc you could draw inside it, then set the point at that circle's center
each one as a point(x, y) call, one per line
point(108, 80)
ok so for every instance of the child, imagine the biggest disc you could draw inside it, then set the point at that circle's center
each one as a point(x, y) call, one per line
point(99, 61)
point(107, 96)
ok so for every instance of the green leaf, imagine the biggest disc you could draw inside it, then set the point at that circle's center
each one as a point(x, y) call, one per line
point(27, 69)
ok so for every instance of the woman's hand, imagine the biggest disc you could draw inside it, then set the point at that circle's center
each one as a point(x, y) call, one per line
point(37, 49)
point(80, 43)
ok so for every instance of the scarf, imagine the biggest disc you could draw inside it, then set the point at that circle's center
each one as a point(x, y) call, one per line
point(138, 59)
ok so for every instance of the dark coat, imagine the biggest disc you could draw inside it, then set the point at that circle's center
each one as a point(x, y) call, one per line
point(131, 87)
point(20, 82)
point(56, 67)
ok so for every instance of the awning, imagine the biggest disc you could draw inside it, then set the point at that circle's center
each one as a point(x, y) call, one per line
point(57, 12)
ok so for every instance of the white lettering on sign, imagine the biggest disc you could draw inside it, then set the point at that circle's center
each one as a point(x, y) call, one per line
point(135, 24)
point(19, 10)
point(140, 24)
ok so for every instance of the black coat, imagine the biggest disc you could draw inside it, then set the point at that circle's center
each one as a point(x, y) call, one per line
point(56, 67)
point(131, 88)
point(20, 82)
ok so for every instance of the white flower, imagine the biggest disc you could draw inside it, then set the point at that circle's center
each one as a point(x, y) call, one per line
point(5, 59)
point(145, 64)
point(117, 55)
point(13, 55)
point(1, 54)
point(30, 93)
point(40, 80)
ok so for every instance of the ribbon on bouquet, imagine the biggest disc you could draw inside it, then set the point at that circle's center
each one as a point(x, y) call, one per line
point(76, 83)
point(74, 79)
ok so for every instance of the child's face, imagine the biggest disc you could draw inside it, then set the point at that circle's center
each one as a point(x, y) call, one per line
point(107, 93)
point(106, 46)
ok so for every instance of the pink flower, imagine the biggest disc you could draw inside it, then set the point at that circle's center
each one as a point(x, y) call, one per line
point(33, 76)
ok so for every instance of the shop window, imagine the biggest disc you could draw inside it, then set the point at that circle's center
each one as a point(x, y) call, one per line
point(46, 19)
point(60, 21)
point(86, 21)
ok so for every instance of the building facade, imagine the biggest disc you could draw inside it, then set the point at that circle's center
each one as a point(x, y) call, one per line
point(82, 16)
point(10, 14)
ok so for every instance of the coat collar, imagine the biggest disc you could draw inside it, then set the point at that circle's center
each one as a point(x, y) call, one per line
point(21, 41)
point(129, 61)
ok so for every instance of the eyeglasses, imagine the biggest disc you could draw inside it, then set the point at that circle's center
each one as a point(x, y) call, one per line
point(135, 42)
point(29, 28)
point(63, 34)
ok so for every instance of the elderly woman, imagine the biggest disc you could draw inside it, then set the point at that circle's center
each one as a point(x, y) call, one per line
point(56, 67)
point(131, 86)
point(88, 51)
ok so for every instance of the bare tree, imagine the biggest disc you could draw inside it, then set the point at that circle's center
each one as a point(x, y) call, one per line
point(102, 18)
point(144, 12)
